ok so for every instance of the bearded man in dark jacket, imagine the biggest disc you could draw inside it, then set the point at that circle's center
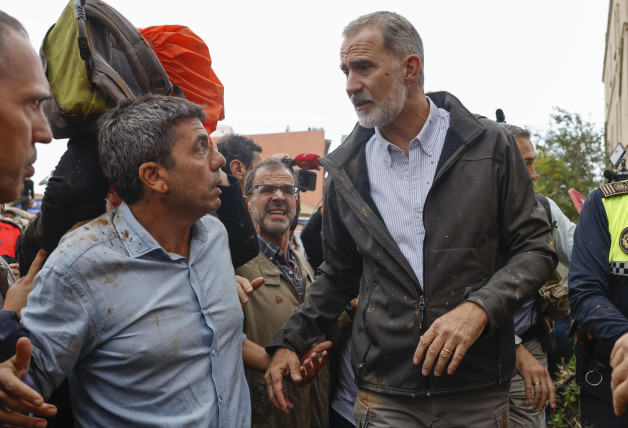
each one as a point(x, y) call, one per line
point(431, 217)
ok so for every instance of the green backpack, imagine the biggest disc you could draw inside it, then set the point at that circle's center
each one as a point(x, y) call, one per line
point(94, 58)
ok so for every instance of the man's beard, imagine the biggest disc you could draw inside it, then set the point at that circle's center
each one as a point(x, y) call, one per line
point(269, 226)
point(384, 111)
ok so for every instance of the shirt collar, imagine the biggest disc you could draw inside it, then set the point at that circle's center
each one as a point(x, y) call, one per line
point(137, 240)
point(425, 138)
point(270, 250)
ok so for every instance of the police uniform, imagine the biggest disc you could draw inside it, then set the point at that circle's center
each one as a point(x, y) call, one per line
point(598, 295)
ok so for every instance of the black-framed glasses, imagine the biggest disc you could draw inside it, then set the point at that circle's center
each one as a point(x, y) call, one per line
point(268, 190)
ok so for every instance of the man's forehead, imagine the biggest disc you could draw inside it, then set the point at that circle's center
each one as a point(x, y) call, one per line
point(192, 125)
point(525, 147)
point(21, 67)
point(365, 42)
point(273, 176)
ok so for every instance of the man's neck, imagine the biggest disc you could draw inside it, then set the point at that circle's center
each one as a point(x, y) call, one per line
point(409, 123)
point(170, 231)
point(283, 241)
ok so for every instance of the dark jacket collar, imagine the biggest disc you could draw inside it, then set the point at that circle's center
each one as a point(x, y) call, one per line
point(464, 129)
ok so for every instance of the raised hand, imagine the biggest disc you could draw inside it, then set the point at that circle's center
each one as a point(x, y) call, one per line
point(15, 396)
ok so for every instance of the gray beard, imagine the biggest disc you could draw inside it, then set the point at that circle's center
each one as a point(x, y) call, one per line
point(272, 227)
point(386, 110)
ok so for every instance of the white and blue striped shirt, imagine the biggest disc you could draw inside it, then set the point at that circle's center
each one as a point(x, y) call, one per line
point(399, 184)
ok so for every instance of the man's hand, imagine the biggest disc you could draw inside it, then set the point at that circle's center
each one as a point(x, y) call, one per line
point(536, 379)
point(450, 336)
point(284, 362)
point(15, 396)
point(619, 377)
point(313, 360)
point(17, 295)
point(246, 288)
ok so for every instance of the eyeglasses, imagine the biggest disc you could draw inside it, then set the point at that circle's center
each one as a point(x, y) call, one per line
point(268, 190)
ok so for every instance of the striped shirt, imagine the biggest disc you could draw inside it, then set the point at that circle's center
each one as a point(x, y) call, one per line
point(400, 184)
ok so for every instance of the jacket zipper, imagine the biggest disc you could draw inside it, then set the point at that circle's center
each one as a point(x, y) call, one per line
point(360, 366)
point(422, 325)
point(421, 312)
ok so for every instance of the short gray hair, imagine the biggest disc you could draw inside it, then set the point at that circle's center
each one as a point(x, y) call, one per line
point(516, 131)
point(270, 164)
point(139, 131)
point(400, 37)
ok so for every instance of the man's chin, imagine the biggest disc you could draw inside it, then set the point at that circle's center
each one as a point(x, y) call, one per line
point(367, 120)
point(10, 194)
point(276, 228)
point(29, 171)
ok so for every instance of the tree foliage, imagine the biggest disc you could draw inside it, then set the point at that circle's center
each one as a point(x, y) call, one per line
point(570, 155)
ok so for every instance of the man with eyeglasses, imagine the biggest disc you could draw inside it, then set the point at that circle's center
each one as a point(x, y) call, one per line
point(272, 198)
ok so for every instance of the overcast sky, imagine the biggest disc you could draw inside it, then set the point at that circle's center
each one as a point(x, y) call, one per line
point(279, 60)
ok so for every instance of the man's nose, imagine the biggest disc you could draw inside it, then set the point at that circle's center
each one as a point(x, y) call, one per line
point(217, 160)
point(533, 174)
point(41, 129)
point(354, 84)
point(278, 194)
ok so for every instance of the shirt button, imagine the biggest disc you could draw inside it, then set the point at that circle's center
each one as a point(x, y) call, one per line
point(219, 400)
point(407, 173)
point(213, 352)
point(429, 150)
point(417, 215)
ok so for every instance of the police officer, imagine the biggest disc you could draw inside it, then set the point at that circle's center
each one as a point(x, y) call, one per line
point(598, 278)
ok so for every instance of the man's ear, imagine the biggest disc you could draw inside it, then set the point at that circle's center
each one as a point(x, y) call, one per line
point(238, 169)
point(246, 200)
point(154, 176)
point(412, 68)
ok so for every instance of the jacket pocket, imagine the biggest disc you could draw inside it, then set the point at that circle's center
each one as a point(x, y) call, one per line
point(452, 275)
point(362, 414)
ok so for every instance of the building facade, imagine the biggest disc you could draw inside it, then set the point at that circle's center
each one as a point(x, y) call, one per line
point(615, 75)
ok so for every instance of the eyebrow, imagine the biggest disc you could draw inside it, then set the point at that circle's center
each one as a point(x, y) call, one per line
point(202, 138)
point(356, 63)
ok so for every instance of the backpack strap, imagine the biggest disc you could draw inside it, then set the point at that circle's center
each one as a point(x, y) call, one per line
point(542, 199)
point(147, 68)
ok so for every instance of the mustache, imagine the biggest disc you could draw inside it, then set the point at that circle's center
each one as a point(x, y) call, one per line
point(277, 204)
point(358, 98)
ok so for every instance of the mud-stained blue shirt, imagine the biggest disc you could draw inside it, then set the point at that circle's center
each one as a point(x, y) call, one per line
point(148, 338)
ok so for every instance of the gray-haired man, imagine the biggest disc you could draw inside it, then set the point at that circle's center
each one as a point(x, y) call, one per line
point(432, 213)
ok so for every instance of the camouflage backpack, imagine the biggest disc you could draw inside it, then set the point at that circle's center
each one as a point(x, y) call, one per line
point(553, 297)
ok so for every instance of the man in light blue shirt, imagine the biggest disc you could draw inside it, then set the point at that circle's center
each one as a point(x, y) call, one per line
point(139, 306)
